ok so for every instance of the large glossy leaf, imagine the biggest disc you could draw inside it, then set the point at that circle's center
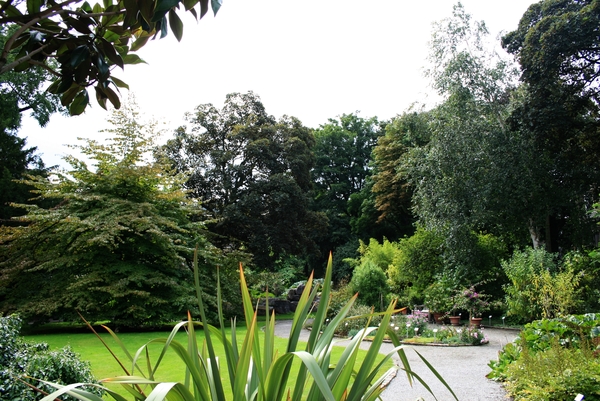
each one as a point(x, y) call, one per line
point(79, 104)
point(139, 42)
point(34, 6)
point(203, 8)
point(133, 59)
point(81, 24)
point(216, 5)
point(131, 11)
point(176, 25)
point(70, 94)
point(79, 54)
point(113, 97)
point(118, 82)
point(102, 66)
point(189, 4)
point(100, 96)
point(111, 53)
point(162, 7)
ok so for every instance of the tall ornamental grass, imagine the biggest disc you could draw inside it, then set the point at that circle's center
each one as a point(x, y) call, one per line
point(256, 371)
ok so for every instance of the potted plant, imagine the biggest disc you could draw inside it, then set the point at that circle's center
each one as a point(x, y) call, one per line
point(438, 299)
point(472, 301)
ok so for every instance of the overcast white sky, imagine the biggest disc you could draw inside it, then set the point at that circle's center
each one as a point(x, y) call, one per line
point(312, 60)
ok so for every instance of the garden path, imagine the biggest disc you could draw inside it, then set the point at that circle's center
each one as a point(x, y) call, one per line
point(463, 368)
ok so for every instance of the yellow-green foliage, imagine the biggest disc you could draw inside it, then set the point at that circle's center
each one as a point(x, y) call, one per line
point(416, 261)
point(556, 374)
point(539, 287)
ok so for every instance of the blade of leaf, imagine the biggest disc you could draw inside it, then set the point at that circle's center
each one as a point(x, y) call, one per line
point(176, 25)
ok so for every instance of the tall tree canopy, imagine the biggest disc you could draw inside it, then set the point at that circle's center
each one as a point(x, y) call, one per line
point(391, 190)
point(86, 41)
point(20, 92)
point(252, 174)
point(342, 156)
point(468, 170)
point(117, 247)
point(557, 45)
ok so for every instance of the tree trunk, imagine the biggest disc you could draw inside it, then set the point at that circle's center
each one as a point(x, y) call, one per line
point(534, 232)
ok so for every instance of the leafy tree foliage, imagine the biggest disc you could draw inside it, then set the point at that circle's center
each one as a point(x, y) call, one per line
point(23, 91)
point(558, 47)
point(474, 174)
point(119, 244)
point(343, 153)
point(391, 193)
point(252, 174)
point(16, 160)
point(87, 42)
point(557, 44)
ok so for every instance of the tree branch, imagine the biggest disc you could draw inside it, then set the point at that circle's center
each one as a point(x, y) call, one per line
point(7, 67)
point(41, 15)
point(93, 15)
point(46, 67)
point(54, 10)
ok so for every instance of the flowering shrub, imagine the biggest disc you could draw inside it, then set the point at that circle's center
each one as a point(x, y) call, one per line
point(466, 335)
point(406, 324)
point(418, 319)
point(472, 301)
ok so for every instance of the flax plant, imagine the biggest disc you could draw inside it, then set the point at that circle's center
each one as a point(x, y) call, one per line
point(256, 371)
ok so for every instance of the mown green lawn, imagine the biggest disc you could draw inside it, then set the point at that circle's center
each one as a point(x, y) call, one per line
point(171, 368)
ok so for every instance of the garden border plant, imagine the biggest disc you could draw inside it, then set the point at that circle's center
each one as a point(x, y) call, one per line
point(552, 359)
point(256, 371)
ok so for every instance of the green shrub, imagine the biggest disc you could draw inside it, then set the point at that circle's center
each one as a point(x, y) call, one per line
point(357, 319)
point(439, 295)
point(415, 265)
point(22, 362)
point(539, 287)
point(370, 282)
point(509, 354)
point(555, 374)
point(587, 265)
point(552, 359)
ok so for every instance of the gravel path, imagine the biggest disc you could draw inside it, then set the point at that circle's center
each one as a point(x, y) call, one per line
point(463, 368)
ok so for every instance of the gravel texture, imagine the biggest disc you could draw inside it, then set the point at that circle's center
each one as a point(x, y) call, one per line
point(463, 368)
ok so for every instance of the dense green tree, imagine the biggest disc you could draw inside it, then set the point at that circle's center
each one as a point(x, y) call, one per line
point(475, 174)
point(87, 42)
point(342, 157)
point(558, 47)
point(417, 263)
point(390, 198)
point(252, 174)
point(119, 244)
point(16, 160)
point(20, 92)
